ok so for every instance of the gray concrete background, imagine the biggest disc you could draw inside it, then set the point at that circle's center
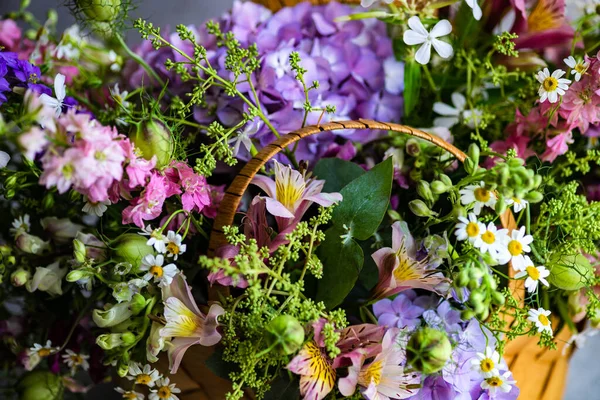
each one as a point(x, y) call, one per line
point(584, 372)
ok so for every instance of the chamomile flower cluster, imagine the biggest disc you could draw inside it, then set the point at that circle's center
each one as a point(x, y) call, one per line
point(160, 387)
point(171, 245)
point(489, 365)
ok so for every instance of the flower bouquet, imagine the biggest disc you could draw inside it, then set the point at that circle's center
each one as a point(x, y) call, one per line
point(385, 200)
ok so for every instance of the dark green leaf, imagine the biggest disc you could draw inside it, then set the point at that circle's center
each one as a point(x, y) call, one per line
point(337, 173)
point(412, 85)
point(219, 367)
point(283, 388)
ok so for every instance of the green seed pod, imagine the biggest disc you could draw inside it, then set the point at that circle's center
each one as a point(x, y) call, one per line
point(131, 248)
point(570, 272)
point(428, 350)
point(438, 187)
point(285, 334)
point(40, 385)
point(100, 10)
point(153, 138)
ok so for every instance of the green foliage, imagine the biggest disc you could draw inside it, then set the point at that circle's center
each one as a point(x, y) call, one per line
point(336, 173)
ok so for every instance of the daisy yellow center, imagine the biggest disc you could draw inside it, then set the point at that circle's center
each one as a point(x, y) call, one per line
point(404, 271)
point(579, 67)
point(533, 272)
point(130, 396)
point(487, 364)
point(143, 379)
point(543, 320)
point(515, 247)
point(289, 193)
point(164, 392)
point(472, 229)
point(173, 248)
point(372, 374)
point(76, 359)
point(494, 381)
point(550, 84)
point(44, 352)
point(516, 200)
point(156, 270)
point(488, 237)
point(482, 195)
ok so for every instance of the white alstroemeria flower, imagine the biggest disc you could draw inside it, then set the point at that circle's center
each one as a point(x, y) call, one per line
point(486, 363)
point(540, 318)
point(119, 96)
point(76, 360)
point(417, 34)
point(498, 382)
point(578, 68)
point(157, 239)
point(552, 86)
point(20, 225)
point(456, 114)
point(60, 91)
point(476, 9)
point(244, 136)
point(174, 246)
point(96, 209)
point(534, 275)
point(4, 159)
point(162, 275)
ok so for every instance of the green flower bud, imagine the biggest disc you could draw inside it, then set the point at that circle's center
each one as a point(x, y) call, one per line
point(446, 180)
point(79, 251)
point(470, 166)
point(40, 385)
point(48, 201)
point(424, 191)
point(394, 215)
point(412, 147)
point(109, 341)
point(31, 244)
point(438, 187)
point(285, 334)
point(462, 279)
point(498, 298)
point(131, 248)
point(113, 316)
point(153, 138)
point(569, 272)
point(500, 205)
point(420, 209)
point(100, 10)
point(534, 196)
point(75, 275)
point(138, 303)
point(10, 261)
point(20, 277)
point(11, 182)
point(128, 338)
point(467, 314)
point(428, 350)
point(123, 368)
point(515, 163)
point(473, 153)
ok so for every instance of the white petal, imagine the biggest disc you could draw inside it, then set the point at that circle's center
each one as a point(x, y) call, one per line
point(444, 49)
point(411, 38)
point(558, 73)
point(459, 101)
point(570, 61)
point(424, 53)
point(442, 28)
point(445, 109)
point(59, 87)
point(4, 159)
point(416, 25)
point(446, 122)
point(49, 101)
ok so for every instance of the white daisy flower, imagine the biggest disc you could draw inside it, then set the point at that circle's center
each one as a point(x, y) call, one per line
point(517, 204)
point(96, 209)
point(417, 34)
point(498, 382)
point(540, 318)
point(551, 86)
point(486, 363)
point(157, 239)
point(453, 115)
point(578, 68)
point(129, 394)
point(60, 91)
point(492, 241)
point(42, 351)
point(477, 13)
point(75, 360)
point(174, 246)
point(469, 228)
point(534, 275)
point(20, 225)
point(164, 390)
point(517, 244)
point(479, 196)
point(162, 275)
point(120, 96)
point(143, 376)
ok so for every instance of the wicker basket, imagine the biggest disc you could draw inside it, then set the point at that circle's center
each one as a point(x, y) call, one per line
point(540, 374)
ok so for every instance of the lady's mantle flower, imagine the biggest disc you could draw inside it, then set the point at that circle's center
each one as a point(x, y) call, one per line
point(540, 318)
point(477, 195)
point(143, 376)
point(291, 193)
point(498, 382)
point(75, 360)
point(476, 9)
point(493, 241)
point(454, 115)
point(129, 394)
point(578, 68)
point(164, 390)
point(155, 269)
point(417, 34)
point(551, 86)
point(20, 225)
point(517, 244)
point(56, 103)
point(186, 324)
point(486, 363)
point(399, 268)
point(469, 228)
point(534, 275)
point(173, 246)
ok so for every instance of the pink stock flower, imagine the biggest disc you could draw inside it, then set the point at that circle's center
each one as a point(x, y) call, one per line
point(519, 143)
point(10, 34)
point(581, 103)
point(557, 145)
point(291, 193)
point(138, 168)
point(149, 204)
point(533, 123)
point(216, 196)
point(186, 324)
point(399, 268)
point(59, 170)
point(196, 192)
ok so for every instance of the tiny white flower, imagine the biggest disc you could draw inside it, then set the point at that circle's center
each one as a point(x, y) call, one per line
point(476, 9)
point(143, 376)
point(453, 115)
point(579, 339)
point(369, 3)
point(486, 363)
point(551, 86)
point(60, 91)
point(498, 382)
point(174, 246)
point(129, 394)
point(479, 196)
point(578, 68)
point(469, 228)
point(20, 225)
point(164, 390)
point(417, 34)
point(120, 96)
point(534, 275)
point(157, 239)
point(517, 244)
point(244, 136)
point(492, 241)
point(4, 157)
point(75, 360)
point(68, 47)
point(540, 318)
point(517, 204)
point(36, 353)
point(161, 274)
point(96, 209)
point(115, 60)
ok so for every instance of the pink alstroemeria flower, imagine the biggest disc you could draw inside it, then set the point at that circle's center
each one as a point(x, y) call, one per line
point(186, 324)
point(291, 193)
point(399, 268)
point(384, 378)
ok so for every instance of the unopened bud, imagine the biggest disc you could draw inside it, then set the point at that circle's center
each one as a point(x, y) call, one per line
point(79, 251)
point(412, 147)
point(428, 350)
point(473, 153)
point(438, 187)
point(31, 244)
point(138, 303)
point(570, 272)
point(534, 196)
point(20, 277)
point(131, 248)
point(153, 138)
point(286, 334)
point(424, 191)
point(108, 341)
point(420, 209)
point(75, 275)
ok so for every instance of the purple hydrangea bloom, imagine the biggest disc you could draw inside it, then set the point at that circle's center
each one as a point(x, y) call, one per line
point(400, 312)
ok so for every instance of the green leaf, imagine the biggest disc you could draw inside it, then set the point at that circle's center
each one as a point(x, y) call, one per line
point(412, 85)
point(365, 201)
point(342, 260)
point(220, 368)
point(337, 173)
point(283, 388)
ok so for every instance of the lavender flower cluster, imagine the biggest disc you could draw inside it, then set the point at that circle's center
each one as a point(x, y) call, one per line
point(353, 62)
